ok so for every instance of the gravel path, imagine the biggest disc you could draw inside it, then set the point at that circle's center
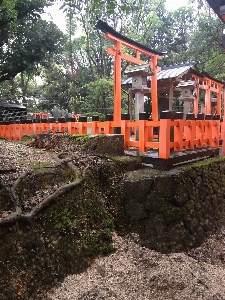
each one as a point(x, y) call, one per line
point(135, 272)
point(17, 158)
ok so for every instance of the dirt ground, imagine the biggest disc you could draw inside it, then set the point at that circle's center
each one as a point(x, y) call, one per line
point(133, 271)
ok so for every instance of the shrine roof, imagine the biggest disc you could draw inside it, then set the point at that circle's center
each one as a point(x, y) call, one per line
point(215, 5)
point(104, 27)
point(173, 72)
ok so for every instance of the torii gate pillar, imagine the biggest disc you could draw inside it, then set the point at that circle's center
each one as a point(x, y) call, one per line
point(117, 82)
point(154, 93)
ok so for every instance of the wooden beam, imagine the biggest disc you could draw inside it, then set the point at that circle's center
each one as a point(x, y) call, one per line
point(208, 97)
point(219, 101)
point(113, 38)
point(125, 56)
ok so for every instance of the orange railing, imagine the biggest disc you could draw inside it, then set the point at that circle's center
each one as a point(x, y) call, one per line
point(192, 133)
point(173, 134)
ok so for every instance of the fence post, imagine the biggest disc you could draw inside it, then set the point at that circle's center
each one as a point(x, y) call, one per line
point(164, 134)
point(81, 125)
point(108, 128)
point(30, 127)
point(37, 126)
point(23, 127)
point(125, 130)
point(216, 132)
point(142, 132)
point(43, 126)
point(61, 124)
point(94, 125)
point(17, 131)
point(189, 131)
point(6, 129)
point(178, 131)
point(200, 130)
point(52, 125)
point(2, 129)
point(70, 124)
point(208, 129)
point(10, 132)
point(152, 131)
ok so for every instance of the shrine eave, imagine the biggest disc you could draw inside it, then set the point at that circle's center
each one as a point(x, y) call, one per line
point(215, 5)
point(172, 72)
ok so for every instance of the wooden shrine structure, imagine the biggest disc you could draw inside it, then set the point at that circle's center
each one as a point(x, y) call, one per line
point(168, 88)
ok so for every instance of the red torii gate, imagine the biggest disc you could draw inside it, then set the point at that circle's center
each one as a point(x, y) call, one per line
point(120, 41)
point(209, 85)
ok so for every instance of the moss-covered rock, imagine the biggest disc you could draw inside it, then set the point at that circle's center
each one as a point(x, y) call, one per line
point(105, 144)
point(109, 144)
point(189, 201)
point(5, 201)
point(61, 239)
point(170, 210)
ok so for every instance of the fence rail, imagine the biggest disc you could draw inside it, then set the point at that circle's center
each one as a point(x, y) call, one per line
point(163, 136)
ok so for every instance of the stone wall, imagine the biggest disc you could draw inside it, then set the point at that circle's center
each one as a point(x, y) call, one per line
point(61, 239)
point(171, 210)
point(103, 144)
point(175, 210)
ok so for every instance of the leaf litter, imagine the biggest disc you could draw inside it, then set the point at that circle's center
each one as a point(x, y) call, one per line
point(133, 271)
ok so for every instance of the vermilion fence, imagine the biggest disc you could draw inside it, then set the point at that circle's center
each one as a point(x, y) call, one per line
point(163, 136)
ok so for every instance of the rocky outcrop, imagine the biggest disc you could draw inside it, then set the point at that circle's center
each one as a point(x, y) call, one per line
point(101, 144)
point(61, 234)
point(175, 210)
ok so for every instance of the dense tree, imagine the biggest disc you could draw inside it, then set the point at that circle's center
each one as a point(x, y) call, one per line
point(8, 15)
point(28, 43)
point(147, 22)
point(99, 97)
point(206, 45)
point(84, 65)
point(26, 38)
point(12, 12)
point(53, 94)
point(31, 44)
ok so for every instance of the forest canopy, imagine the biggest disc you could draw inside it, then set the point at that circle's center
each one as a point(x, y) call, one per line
point(44, 67)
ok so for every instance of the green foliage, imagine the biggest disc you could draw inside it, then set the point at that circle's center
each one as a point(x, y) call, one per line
point(65, 225)
point(13, 12)
point(23, 87)
point(148, 23)
point(98, 97)
point(27, 39)
point(32, 43)
point(9, 7)
point(95, 242)
point(96, 6)
point(209, 51)
point(52, 93)
point(79, 79)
